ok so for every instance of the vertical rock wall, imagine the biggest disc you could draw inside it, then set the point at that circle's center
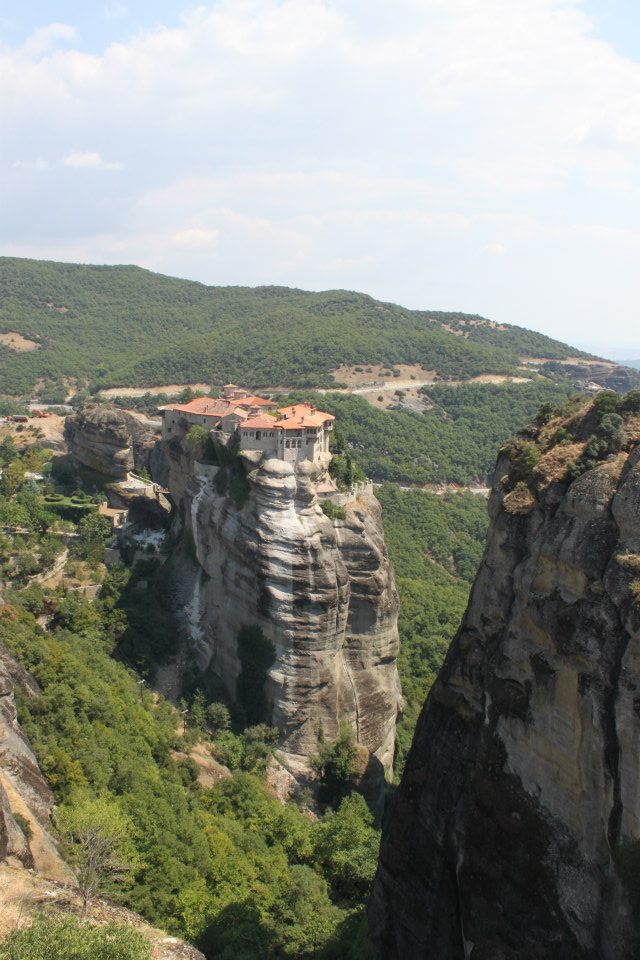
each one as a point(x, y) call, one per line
point(522, 788)
point(321, 591)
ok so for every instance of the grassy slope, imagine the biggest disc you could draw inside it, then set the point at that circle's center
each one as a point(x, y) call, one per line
point(125, 325)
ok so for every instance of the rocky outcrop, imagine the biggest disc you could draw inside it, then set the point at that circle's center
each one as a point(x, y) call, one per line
point(25, 798)
point(520, 802)
point(315, 596)
point(595, 375)
point(109, 440)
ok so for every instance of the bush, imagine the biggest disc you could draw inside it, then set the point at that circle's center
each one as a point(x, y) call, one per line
point(630, 403)
point(333, 510)
point(66, 938)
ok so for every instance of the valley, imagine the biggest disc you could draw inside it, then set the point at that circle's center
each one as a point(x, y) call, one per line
point(228, 606)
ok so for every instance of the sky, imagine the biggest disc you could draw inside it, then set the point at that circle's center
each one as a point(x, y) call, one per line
point(475, 155)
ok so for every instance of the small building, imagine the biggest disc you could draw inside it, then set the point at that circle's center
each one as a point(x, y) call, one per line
point(299, 432)
point(117, 516)
point(223, 414)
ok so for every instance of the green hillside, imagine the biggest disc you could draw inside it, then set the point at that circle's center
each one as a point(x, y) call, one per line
point(127, 326)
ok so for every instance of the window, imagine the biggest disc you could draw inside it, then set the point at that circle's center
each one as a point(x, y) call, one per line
point(287, 444)
point(257, 434)
point(299, 443)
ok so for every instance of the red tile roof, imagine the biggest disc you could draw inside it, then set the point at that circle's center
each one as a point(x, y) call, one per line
point(260, 422)
point(296, 417)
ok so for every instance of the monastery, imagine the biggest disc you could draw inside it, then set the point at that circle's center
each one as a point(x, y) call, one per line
point(299, 432)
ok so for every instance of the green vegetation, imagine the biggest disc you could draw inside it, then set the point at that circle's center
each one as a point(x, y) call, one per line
point(198, 857)
point(124, 325)
point(435, 544)
point(336, 764)
point(333, 510)
point(67, 938)
point(455, 441)
point(199, 442)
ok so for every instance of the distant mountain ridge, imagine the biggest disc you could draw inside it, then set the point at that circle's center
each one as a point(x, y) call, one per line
point(122, 325)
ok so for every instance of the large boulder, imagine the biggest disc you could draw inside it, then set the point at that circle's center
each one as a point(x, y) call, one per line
point(109, 440)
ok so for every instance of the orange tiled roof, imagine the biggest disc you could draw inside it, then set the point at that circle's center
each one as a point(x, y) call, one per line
point(260, 422)
point(304, 415)
point(255, 402)
point(203, 405)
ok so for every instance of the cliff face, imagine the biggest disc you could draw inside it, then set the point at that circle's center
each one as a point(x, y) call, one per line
point(320, 592)
point(24, 793)
point(109, 440)
point(522, 788)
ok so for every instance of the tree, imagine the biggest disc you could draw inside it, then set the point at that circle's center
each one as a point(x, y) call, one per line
point(345, 844)
point(218, 718)
point(12, 477)
point(94, 531)
point(97, 839)
point(75, 613)
point(197, 711)
point(335, 765)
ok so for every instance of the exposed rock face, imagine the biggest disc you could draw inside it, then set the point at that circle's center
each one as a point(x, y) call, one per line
point(23, 789)
point(590, 376)
point(109, 440)
point(523, 782)
point(321, 591)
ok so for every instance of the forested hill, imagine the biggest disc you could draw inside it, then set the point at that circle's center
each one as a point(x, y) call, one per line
point(128, 326)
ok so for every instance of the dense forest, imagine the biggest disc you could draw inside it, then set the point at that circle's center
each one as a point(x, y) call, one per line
point(127, 326)
point(454, 441)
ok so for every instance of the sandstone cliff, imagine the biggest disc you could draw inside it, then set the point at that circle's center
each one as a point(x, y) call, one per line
point(520, 802)
point(25, 798)
point(109, 440)
point(316, 595)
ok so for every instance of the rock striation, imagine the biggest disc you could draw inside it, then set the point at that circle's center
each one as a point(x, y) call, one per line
point(320, 592)
point(24, 793)
point(520, 802)
point(109, 440)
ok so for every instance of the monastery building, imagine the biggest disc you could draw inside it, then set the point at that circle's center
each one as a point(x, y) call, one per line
point(299, 432)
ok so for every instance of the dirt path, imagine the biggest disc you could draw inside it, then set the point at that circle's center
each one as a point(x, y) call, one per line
point(169, 388)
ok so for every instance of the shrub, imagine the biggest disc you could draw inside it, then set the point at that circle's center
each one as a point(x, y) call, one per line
point(62, 938)
point(333, 510)
point(630, 403)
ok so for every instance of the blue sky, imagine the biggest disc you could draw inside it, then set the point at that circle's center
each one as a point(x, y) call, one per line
point(481, 155)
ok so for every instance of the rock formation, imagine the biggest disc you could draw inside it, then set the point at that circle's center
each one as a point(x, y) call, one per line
point(24, 793)
point(317, 596)
point(519, 806)
point(109, 440)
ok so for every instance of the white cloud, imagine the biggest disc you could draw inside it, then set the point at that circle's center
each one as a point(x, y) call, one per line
point(359, 144)
point(90, 160)
point(194, 237)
